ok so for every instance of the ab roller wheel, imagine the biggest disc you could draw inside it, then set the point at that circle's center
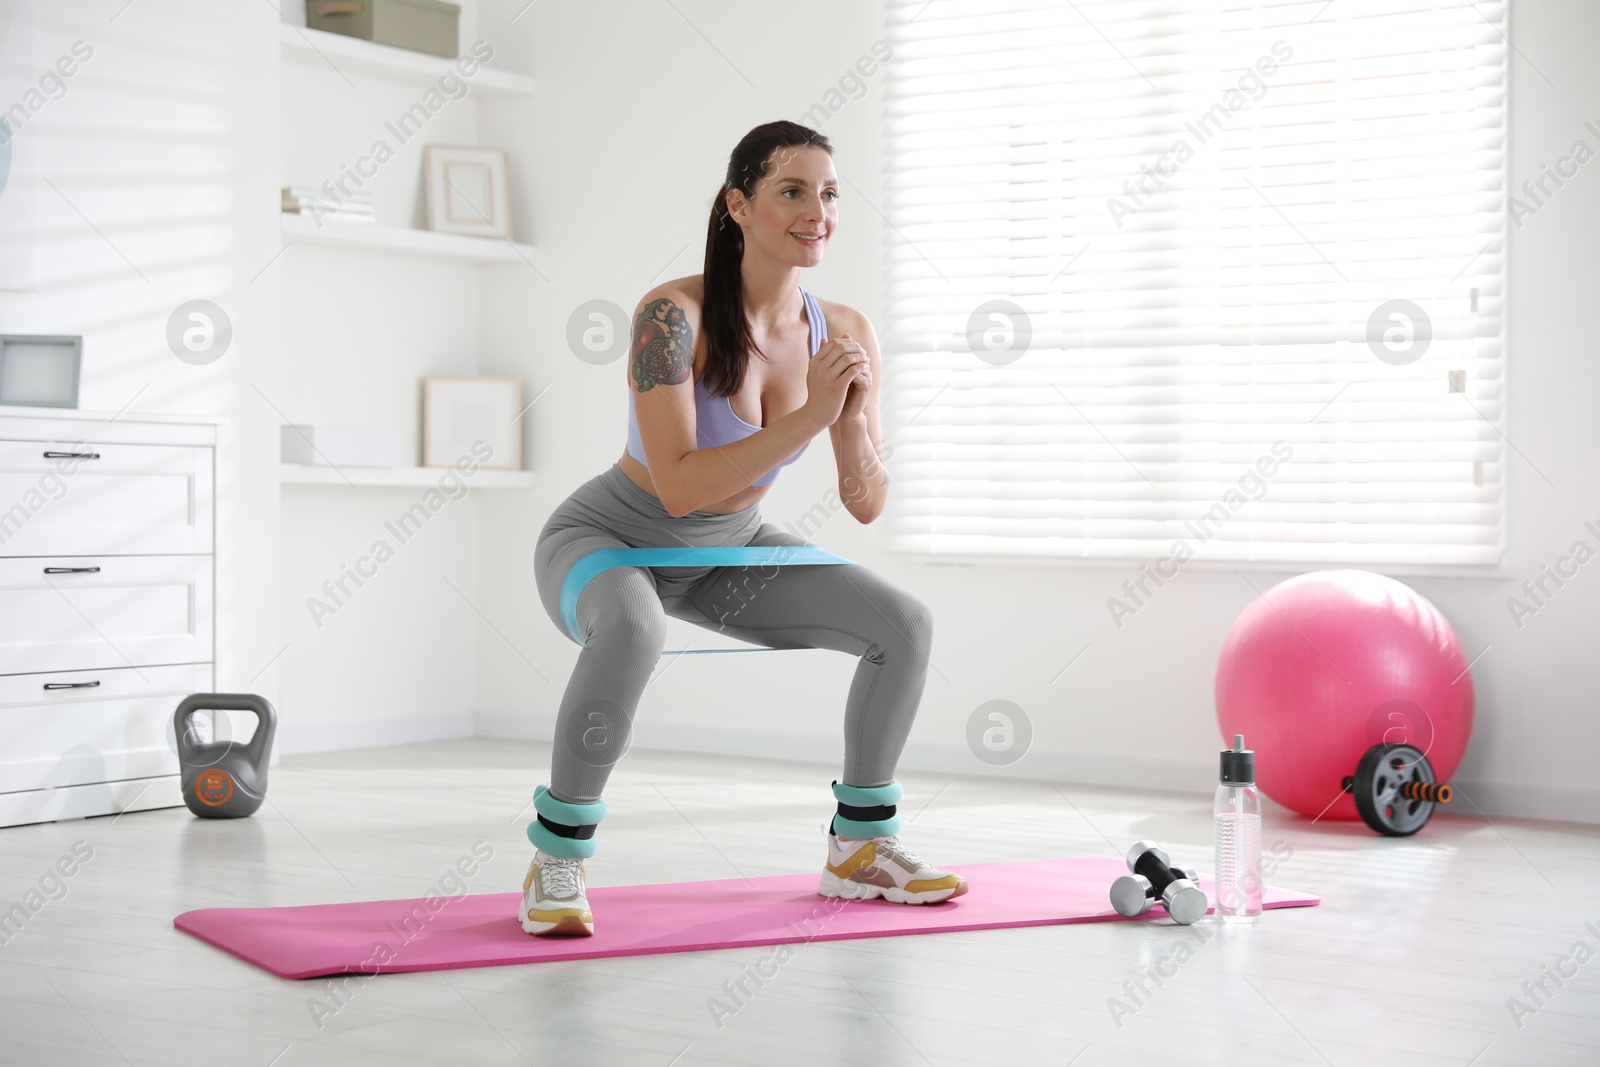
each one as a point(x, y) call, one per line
point(1394, 789)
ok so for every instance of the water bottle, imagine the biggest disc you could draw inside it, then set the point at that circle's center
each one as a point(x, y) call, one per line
point(1238, 830)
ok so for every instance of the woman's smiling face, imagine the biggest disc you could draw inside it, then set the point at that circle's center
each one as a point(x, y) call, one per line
point(795, 206)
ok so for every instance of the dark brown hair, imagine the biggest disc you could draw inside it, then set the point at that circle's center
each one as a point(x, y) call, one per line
point(722, 318)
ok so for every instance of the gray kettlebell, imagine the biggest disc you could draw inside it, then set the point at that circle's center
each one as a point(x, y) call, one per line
point(224, 779)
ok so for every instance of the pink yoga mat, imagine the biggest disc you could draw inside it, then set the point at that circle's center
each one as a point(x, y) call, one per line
point(482, 930)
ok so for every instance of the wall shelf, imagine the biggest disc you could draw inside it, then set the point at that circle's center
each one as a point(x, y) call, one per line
point(299, 229)
point(351, 55)
point(307, 474)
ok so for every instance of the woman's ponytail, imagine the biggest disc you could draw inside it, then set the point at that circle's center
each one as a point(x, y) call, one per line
point(722, 317)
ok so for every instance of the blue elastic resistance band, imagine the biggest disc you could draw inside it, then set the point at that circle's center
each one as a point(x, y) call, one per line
point(580, 573)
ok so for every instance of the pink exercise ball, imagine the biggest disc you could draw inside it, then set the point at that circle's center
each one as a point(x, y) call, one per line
point(1325, 665)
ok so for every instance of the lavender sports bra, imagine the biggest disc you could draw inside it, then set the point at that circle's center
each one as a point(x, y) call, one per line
point(715, 422)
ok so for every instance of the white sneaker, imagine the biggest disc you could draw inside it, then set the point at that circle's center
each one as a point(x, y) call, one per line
point(553, 900)
point(883, 867)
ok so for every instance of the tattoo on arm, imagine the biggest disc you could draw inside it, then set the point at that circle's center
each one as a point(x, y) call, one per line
point(663, 346)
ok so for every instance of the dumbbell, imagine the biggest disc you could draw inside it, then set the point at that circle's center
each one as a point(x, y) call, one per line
point(1154, 878)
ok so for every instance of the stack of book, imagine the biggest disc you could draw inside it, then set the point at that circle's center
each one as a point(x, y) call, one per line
point(316, 203)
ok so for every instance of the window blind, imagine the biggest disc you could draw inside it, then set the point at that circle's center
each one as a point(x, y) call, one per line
point(1163, 272)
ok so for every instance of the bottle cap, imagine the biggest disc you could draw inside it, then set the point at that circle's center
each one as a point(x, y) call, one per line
point(1238, 763)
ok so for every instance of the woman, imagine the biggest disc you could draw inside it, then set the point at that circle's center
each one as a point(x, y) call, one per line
point(709, 430)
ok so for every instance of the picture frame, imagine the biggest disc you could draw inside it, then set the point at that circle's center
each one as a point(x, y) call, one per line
point(468, 190)
point(40, 370)
point(458, 412)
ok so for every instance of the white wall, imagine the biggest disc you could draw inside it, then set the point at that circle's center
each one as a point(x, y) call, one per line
point(615, 164)
point(169, 143)
point(172, 141)
point(157, 172)
point(394, 661)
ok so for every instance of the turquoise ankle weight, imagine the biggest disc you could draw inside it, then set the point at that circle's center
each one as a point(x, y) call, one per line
point(554, 844)
point(867, 797)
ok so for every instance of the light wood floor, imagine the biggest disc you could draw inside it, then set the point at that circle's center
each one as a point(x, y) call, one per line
point(1410, 959)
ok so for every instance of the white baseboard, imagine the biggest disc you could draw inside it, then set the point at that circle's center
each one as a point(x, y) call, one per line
point(935, 757)
point(298, 737)
point(1117, 770)
point(1556, 803)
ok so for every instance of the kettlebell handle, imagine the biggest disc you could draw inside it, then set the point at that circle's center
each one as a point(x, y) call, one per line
point(266, 716)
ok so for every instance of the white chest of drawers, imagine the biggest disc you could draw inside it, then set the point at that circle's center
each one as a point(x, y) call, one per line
point(107, 605)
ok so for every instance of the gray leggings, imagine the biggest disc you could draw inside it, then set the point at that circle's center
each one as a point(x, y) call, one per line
point(622, 613)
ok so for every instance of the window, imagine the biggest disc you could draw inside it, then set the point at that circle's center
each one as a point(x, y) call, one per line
point(1163, 272)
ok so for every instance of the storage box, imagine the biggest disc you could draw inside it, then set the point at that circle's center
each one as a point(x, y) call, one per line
point(420, 25)
point(40, 370)
point(341, 446)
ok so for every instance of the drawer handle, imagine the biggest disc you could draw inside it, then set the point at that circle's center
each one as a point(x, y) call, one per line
point(72, 685)
point(72, 570)
point(72, 455)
